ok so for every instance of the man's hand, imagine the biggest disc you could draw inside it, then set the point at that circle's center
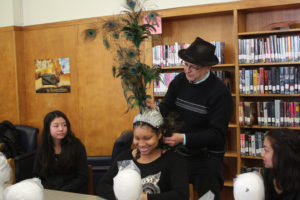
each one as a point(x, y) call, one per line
point(150, 104)
point(175, 139)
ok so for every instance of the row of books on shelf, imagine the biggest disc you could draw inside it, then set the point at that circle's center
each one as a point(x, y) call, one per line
point(252, 144)
point(272, 48)
point(259, 170)
point(278, 113)
point(275, 80)
point(161, 87)
point(167, 55)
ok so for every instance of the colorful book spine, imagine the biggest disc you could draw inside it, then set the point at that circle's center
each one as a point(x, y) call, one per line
point(286, 80)
point(297, 114)
point(292, 80)
point(266, 84)
point(261, 78)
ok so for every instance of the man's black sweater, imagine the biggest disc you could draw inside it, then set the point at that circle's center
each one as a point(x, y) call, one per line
point(205, 109)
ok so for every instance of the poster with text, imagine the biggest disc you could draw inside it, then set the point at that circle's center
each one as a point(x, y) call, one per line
point(52, 75)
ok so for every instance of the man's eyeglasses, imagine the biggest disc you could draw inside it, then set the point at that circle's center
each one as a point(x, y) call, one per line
point(192, 66)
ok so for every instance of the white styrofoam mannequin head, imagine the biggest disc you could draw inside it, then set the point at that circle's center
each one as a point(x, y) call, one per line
point(128, 185)
point(29, 189)
point(249, 186)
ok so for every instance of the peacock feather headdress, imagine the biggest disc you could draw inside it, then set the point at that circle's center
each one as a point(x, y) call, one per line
point(123, 37)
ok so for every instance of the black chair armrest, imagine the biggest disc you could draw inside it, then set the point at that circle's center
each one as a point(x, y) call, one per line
point(124, 142)
point(24, 166)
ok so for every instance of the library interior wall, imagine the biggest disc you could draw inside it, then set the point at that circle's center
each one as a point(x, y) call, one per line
point(8, 81)
point(95, 105)
point(32, 12)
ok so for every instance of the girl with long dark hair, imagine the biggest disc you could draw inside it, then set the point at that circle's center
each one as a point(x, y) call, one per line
point(282, 162)
point(61, 161)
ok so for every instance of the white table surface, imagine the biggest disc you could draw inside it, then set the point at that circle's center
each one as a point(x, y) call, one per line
point(60, 195)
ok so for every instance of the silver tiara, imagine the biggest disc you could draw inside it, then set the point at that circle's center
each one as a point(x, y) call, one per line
point(150, 116)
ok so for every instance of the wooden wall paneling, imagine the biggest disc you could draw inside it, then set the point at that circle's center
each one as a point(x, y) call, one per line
point(9, 109)
point(101, 101)
point(20, 72)
point(43, 44)
point(96, 104)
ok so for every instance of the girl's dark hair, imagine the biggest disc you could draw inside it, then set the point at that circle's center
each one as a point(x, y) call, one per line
point(47, 155)
point(286, 159)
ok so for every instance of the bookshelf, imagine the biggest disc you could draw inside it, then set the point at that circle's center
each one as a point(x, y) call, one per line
point(228, 23)
point(251, 23)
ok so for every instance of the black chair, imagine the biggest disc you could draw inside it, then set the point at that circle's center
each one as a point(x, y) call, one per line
point(122, 143)
point(100, 164)
point(24, 163)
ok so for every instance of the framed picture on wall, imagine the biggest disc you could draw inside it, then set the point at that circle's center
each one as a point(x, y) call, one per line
point(52, 75)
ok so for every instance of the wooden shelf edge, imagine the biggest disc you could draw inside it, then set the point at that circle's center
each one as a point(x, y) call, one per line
point(181, 67)
point(158, 95)
point(269, 127)
point(223, 65)
point(162, 95)
point(171, 68)
point(232, 125)
point(268, 64)
point(252, 157)
point(228, 183)
point(269, 32)
point(231, 154)
point(270, 95)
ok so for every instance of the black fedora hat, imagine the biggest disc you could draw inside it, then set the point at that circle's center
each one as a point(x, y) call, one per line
point(200, 52)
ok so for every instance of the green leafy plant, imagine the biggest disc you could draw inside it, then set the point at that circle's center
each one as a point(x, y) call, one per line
point(124, 36)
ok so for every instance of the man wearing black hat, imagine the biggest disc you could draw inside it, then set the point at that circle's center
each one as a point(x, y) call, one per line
point(204, 104)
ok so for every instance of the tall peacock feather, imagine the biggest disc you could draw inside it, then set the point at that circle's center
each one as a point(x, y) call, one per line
point(124, 36)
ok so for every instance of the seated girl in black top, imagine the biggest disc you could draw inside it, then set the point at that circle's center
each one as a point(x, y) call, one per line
point(61, 161)
point(163, 172)
point(282, 162)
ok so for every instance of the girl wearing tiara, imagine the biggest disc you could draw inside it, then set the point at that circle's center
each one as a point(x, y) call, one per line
point(163, 172)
